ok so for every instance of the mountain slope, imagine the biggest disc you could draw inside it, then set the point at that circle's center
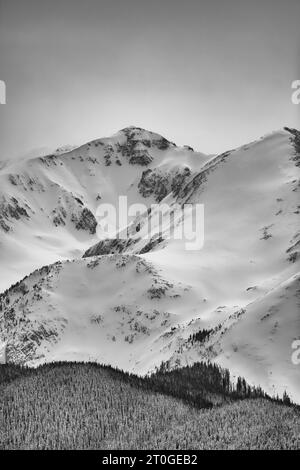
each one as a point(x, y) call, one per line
point(111, 309)
point(48, 204)
point(238, 295)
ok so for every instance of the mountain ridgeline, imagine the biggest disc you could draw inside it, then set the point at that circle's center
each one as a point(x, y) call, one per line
point(138, 302)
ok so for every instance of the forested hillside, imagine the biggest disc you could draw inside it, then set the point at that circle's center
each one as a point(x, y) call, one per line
point(87, 406)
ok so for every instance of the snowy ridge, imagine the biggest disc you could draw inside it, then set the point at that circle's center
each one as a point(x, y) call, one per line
point(48, 204)
point(133, 303)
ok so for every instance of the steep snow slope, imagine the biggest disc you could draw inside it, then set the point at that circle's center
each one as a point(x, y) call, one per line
point(235, 301)
point(111, 309)
point(259, 342)
point(255, 340)
point(48, 204)
point(250, 255)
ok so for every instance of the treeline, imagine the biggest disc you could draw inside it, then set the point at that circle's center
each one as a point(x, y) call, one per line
point(202, 384)
point(88, 406)
point(200, 336)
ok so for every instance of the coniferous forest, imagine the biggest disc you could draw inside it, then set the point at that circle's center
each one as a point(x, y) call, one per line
point(88, 406)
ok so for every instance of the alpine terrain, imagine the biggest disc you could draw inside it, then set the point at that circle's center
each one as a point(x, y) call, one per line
point(138, 301)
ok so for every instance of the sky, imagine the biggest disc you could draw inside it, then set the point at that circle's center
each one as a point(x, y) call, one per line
point(213, 74)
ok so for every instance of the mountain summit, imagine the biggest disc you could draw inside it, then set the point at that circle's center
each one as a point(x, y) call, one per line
point(136, 304)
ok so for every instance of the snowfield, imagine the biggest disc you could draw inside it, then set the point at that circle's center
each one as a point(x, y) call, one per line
point(137, 303)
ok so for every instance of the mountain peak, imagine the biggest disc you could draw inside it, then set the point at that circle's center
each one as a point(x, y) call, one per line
point(138, 301)
point(136, 133)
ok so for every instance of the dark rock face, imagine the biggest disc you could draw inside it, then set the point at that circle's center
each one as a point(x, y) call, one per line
point(153, 183)
point(136, 148)
point(135, 151)
point(23, 334)
point(294, 250)
point(59, 216)
point(160, 185)
point(149, 139)
point(186, 191)
point(85, 221)
point(49, 160)
point(70, 207)
point(27, 182)
point(109, 151)
point(154, 242)
point(187, 147)
point(119, 246)
point(109, 246)
point(295, 139)
point(180, 180)
point(9, 210)
point(163, 144)
point(3, 225)
point(140, 157)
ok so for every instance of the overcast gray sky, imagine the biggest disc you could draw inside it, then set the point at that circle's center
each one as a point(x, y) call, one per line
point(213, 74)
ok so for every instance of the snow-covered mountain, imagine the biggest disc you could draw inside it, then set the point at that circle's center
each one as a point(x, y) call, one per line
point(133, 303)
point(48, 204)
